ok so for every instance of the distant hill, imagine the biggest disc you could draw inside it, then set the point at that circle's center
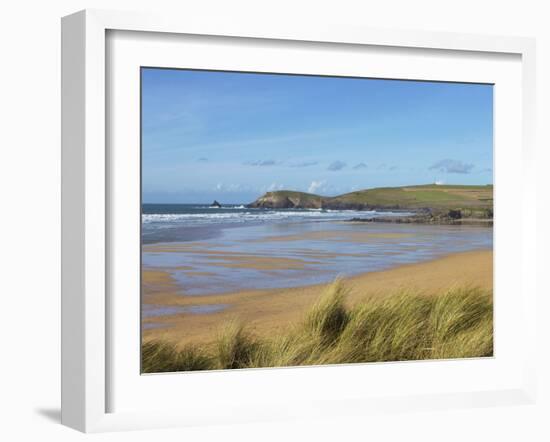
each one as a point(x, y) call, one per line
point(288, 199)
point(430, 197)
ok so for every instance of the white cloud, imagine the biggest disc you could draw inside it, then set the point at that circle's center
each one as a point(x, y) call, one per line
point(304, 164)
point(452, 166)
point(315, 186)
point(262, 163)
point(275, 186)
point(336, 165)
point(221, 187)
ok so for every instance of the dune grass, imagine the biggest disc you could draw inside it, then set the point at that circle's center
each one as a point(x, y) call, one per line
point(401, 327)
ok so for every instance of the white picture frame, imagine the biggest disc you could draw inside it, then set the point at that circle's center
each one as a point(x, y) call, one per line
point(86, 216)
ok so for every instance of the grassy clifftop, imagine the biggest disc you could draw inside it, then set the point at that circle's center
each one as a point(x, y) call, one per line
point(426, 196)
point(431, 196)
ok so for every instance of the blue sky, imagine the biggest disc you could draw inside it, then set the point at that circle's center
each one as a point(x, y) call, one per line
point(233, 136)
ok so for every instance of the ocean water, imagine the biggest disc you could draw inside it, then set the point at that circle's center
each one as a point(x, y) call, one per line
point(211, 251)
point(193, 222)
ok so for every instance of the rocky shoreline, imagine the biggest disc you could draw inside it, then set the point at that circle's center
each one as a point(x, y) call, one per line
point(426, 218)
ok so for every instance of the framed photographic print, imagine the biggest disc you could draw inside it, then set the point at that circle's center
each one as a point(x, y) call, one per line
point(267, 239)
point(293, 222)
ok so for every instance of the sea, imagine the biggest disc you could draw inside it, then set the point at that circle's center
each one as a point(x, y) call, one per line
point(210, 250)
point(193, 222)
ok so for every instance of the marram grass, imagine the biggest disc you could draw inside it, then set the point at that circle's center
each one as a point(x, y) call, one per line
point(401, 327)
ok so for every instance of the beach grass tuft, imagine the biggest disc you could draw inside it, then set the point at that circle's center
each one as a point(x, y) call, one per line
point(162, 357)
point(235, 348)
point(328, 317)
point(404, 326)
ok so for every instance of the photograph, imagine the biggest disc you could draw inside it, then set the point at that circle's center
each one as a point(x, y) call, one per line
point(302, 220)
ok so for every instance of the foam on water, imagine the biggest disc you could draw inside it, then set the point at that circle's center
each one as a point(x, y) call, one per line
point(260, 215)
point(165, 216)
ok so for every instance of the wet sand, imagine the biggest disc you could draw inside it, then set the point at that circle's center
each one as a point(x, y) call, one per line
point(292, 254)
point(197, 319)
point(339, 235)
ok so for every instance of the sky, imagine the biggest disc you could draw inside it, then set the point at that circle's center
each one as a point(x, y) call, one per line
point(234, 136)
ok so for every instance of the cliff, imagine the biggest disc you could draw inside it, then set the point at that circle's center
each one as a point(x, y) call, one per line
point(454, 200)
point(286, 199)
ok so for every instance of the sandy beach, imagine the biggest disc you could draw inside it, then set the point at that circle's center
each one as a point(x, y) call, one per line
point(183, 319)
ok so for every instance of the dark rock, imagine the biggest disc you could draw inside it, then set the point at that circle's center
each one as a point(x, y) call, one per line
point(455, 214)
point(425, 219)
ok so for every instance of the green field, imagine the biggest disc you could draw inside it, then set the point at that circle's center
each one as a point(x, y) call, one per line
point(441, 196)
